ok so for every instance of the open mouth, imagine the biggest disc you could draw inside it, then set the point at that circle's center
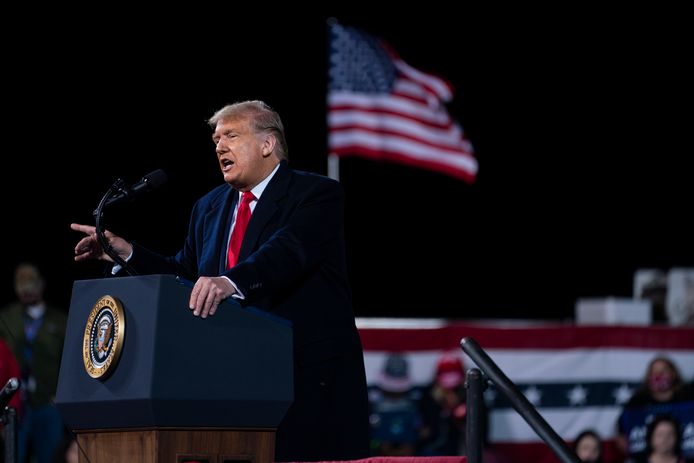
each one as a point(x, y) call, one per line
point(226, 164)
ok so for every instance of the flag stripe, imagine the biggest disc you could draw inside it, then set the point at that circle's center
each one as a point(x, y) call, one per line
point(375, 130)
point(352, 140)
point(414, 92)
point(394, 105)
point(508, 426)
point(433, 84)
point(376, 137)
point(536, 337)
point(606, 363)
point(589, 365)
point(540, 453)
point(376, 117)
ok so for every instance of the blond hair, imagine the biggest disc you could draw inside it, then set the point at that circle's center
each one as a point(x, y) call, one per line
point(262, 118)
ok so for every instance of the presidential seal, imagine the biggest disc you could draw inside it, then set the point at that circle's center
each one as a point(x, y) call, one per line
point(103, 337)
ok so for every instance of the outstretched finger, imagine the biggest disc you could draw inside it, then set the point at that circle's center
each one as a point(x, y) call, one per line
point(88, 229)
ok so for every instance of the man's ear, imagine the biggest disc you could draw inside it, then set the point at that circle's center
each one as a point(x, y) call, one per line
point(269, 144)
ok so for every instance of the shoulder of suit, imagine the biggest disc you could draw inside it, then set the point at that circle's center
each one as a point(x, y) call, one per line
point(215, 196)
point(311, 178)
point(14, 308)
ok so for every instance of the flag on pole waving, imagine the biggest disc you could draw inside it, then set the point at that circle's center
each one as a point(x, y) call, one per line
point(381, 108)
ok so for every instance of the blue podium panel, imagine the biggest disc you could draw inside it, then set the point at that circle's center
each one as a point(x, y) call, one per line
point(233, 369)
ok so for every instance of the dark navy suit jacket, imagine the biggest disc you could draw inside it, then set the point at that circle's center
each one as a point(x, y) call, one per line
point(291, 263)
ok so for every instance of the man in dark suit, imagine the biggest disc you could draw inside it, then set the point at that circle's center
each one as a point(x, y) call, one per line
point(290, 260)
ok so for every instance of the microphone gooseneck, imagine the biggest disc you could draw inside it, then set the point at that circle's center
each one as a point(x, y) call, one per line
point(118, 193)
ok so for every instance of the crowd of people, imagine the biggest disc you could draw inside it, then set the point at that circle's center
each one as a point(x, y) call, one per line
point(655, 426)
point(410, 420)
point(650, 427)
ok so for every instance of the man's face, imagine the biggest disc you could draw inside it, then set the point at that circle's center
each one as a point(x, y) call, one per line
point(241, 153)
point(28, 285)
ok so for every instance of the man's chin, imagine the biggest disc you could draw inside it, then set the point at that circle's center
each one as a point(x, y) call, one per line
point(232, 180)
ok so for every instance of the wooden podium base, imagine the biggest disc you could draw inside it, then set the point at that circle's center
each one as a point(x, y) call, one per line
point(176, 445)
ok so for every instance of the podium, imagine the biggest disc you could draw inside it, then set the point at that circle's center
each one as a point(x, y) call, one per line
point(178, 388)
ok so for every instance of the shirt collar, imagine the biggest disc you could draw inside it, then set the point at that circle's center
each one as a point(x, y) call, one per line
point(36, 311)
point(259, 188)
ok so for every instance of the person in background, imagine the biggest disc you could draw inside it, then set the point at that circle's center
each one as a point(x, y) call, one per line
point(35, 332)
point(273, 238)
point(663, 383)
point(588, 447)
point(395, 418)
point(663, 442)
point(662, 390)
point(444, 410)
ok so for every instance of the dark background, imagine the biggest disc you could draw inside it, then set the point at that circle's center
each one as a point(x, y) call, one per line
point(581, 127)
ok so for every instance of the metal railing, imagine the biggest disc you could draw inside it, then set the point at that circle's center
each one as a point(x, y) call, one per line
point(475, 383)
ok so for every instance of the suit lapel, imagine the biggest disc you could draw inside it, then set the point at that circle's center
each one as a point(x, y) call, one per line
point(216, 235)
point(265, 209)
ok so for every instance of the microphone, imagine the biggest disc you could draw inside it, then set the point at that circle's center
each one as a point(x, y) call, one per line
point(8, 391)
point(149, 182)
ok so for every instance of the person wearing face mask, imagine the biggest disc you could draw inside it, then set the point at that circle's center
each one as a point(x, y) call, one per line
point(662, 390)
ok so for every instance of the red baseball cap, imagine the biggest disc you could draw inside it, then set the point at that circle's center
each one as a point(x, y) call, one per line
point(449, 371)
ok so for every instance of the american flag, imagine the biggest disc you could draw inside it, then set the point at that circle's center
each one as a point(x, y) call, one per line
point(578, 377)
point(382, 108)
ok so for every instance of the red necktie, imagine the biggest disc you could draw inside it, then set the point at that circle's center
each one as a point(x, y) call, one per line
point(243, 216)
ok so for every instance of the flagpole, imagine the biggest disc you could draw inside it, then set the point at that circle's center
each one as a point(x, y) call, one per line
point(334, 166)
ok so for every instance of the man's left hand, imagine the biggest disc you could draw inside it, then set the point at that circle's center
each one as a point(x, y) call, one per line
point(208, 293)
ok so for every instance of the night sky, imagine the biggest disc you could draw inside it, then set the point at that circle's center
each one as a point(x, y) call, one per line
point(580, 126)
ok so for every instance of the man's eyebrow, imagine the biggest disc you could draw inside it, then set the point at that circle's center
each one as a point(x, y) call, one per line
point(217, 135)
